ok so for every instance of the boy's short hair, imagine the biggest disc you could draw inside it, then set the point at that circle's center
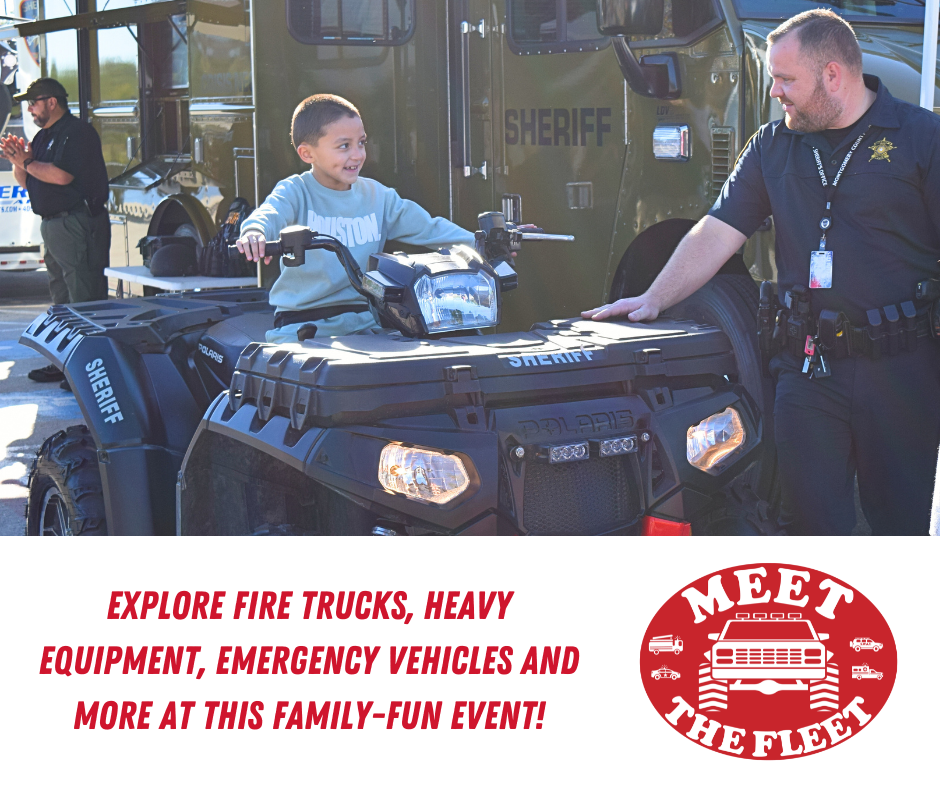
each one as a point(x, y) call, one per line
point(315, 113)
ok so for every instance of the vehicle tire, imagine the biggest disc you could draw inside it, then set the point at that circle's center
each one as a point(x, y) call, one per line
point(65, 494)
point(876, 649)
point(730, 303)
point(656, 653)
point(674, 677)
point(824, 693)
point(712, 693)
point(737, 511)
point(675, 651)
point(656, 676)
point(858, 648)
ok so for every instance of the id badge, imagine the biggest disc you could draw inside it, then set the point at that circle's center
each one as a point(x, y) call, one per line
point(820, 270)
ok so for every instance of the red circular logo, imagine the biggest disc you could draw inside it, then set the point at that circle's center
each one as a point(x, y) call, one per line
point(768, 661)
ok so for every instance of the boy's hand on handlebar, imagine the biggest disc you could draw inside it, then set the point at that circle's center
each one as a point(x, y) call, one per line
point(252, 246)
point(635, 309)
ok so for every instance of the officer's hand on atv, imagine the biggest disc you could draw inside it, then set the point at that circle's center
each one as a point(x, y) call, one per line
point(634, 309)
point(252, 246)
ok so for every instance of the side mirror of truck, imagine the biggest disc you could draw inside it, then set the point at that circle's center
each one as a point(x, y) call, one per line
point(629, 17)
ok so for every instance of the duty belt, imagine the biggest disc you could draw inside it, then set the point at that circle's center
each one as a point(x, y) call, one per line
point(890, 330)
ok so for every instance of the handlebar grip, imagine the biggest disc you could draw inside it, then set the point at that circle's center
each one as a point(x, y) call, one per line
point(546, 237)
point(271, 249)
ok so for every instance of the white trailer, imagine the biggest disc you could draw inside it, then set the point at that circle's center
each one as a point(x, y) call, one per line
point(20, 239)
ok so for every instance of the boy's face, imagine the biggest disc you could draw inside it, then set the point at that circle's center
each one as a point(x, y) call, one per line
point(338, 156)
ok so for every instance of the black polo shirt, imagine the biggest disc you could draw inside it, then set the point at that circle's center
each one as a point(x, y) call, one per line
point(885, 233)
point(73, 146)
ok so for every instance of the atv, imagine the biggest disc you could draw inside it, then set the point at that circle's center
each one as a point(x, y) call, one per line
point(426, 426)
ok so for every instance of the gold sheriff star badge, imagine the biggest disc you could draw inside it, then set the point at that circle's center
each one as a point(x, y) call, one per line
point(881, 150)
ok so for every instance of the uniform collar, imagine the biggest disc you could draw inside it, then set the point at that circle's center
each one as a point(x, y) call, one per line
point(882, 113)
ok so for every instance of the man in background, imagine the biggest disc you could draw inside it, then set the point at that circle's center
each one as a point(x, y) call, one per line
point(64, 172)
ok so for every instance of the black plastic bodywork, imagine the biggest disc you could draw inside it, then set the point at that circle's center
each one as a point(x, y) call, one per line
point(143, 385)
point(324, 411)
point(314, 417)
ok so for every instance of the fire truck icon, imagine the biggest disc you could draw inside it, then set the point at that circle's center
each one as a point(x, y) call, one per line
point(769, 654)
point(865, 672)
point(665, 643)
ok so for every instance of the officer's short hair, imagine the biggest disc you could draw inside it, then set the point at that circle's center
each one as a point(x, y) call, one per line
point(825, 36)
point(315, 113)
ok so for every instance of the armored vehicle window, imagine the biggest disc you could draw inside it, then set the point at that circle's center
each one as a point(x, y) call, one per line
point(351, 22)
point(542, 26)
point(853, 10)
point(689, 15)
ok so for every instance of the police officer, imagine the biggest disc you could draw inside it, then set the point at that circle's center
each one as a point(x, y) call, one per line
point(852, 179)
point(64, 172)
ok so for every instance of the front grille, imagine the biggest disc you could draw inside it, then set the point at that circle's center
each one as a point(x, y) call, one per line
point(722, 162)
point(768, 656)
point(587, 497)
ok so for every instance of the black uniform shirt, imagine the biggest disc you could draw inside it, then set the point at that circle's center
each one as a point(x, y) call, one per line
point(885, 233)
point(73, 146)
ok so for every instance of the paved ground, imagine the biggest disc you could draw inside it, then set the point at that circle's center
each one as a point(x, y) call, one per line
point(29, 412)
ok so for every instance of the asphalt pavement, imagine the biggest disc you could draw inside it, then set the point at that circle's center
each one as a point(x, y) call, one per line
point(29, 412)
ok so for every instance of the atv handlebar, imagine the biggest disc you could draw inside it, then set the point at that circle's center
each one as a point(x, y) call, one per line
point(296, 240)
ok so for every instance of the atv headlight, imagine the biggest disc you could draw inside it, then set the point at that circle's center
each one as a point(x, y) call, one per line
point(714, 439)
point(463, 299)
point(422, 474)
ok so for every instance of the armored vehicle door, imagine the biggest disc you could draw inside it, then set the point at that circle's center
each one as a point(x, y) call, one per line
point(475, 30)
point(561, 141)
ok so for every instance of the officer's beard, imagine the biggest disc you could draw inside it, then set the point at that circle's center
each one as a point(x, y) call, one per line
point(819, 113)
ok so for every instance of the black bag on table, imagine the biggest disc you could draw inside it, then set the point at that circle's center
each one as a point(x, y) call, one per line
point(214, 260)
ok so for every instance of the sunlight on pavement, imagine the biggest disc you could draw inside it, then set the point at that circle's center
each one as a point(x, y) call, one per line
point(11, 485)
point(16, 424)
point(5, 367)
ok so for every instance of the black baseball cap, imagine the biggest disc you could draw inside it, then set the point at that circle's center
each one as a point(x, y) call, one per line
point(45, 87)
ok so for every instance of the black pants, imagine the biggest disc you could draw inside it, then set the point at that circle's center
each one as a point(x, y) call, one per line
point(76, 254)
point(880, 419)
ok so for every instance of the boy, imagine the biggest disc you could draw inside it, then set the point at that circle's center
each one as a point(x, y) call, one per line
point(331, 198)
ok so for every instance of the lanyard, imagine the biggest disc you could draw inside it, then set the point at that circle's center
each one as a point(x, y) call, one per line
point(826, 222)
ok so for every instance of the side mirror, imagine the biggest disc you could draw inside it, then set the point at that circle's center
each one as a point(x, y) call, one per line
point(629, 17)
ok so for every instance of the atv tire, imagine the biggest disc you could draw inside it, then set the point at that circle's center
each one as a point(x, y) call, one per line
point(737, 511)
point(65, 495)
point(730, 303)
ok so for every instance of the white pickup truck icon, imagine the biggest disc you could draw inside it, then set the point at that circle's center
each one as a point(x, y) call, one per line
point(769, 653)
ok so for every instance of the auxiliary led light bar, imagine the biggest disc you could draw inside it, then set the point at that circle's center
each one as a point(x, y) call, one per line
point(615, 446)
point(570, 452)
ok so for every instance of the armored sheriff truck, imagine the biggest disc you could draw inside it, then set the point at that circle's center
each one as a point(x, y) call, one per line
point(615, 122)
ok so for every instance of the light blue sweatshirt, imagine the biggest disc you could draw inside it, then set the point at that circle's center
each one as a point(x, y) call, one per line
point(363, 218)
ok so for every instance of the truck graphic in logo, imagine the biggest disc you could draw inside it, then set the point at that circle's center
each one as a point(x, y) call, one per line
point(665, 643)
point(756, 671)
